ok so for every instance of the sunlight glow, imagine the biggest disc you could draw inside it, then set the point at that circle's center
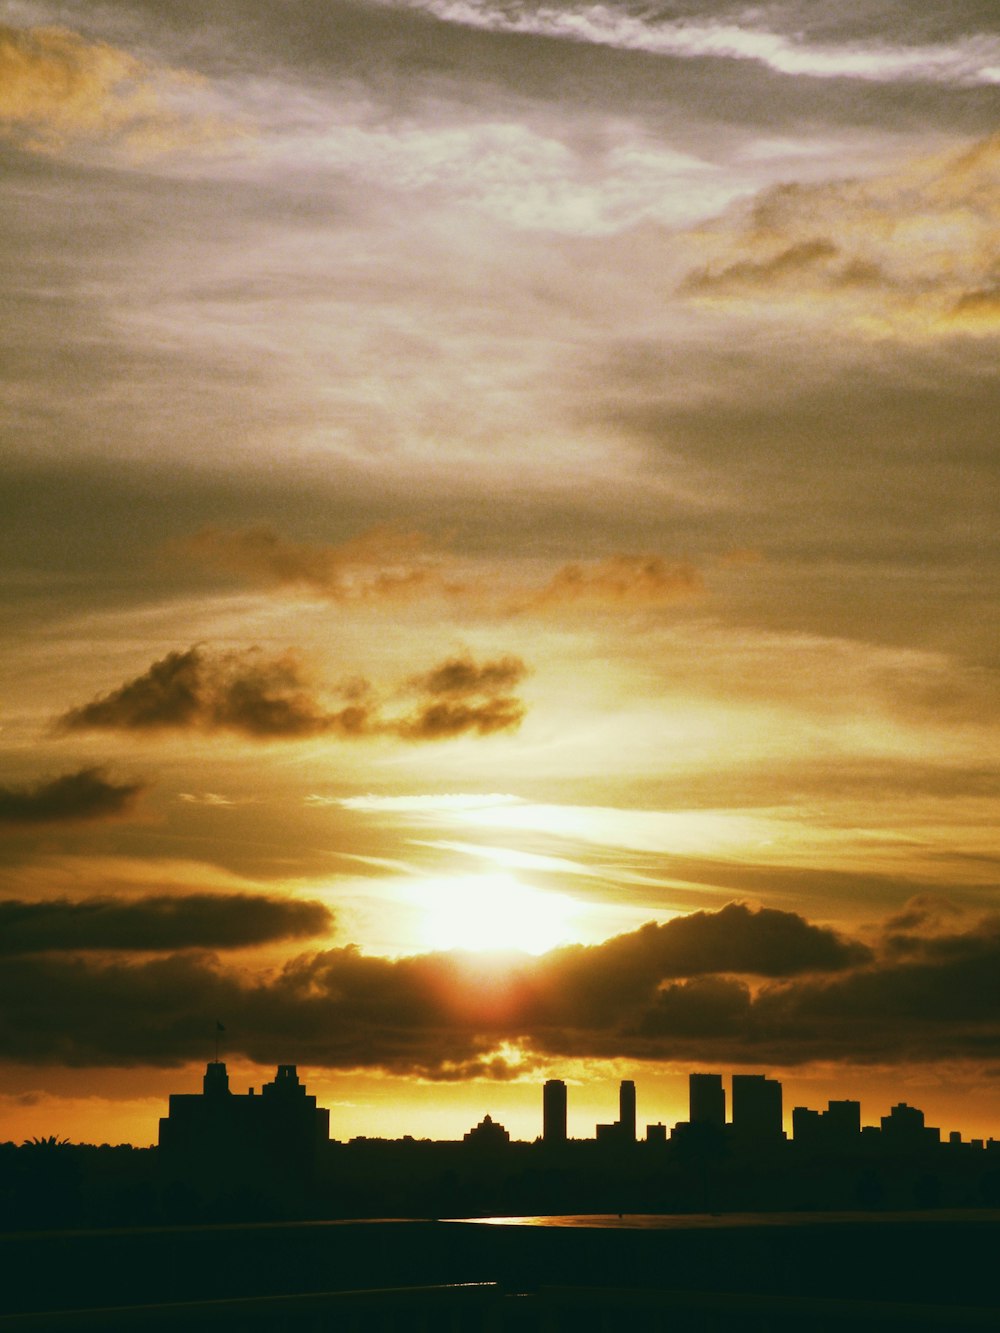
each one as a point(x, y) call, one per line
point(492, 911)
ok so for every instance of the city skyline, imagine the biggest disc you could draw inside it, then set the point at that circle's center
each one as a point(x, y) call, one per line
point(498, 556)
point(754, 1111)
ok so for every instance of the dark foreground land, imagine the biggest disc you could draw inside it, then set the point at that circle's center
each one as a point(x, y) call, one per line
point(779, 1272)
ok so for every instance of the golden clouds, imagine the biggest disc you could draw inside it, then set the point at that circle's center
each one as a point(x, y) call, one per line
point(916, 252)
point(384, 564)
point(275, 699)
point(57, 88)
point(619, 580)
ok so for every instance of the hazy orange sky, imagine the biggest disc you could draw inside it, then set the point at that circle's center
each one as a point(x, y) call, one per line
point(499, 556)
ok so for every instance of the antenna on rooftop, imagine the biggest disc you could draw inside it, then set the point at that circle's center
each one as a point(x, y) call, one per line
point(219, 1029)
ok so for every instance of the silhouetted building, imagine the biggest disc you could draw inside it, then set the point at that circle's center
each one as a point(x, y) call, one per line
point(489, 1133)
point(656, 1133)
point(756, 1110)
point(706, 1100)
point(554, 1111)
point(221, 1138)
point(842, 1123)
point(626, 1109)
point(904, 1129)
point(837, 1129)
point(807, 1128)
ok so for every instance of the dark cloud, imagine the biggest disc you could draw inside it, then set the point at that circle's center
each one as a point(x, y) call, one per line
point(462, 676)
point(85, 795)
point(475, 699)
point(274, 699)
point(638, 996)
point(440, 721)
point(243, 692)
point(766, 943)
point(158, 924)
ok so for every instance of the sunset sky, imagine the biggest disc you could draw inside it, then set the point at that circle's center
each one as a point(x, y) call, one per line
point(500, 556)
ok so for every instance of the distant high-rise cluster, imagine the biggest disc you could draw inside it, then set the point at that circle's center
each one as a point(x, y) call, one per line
point(756, 1120)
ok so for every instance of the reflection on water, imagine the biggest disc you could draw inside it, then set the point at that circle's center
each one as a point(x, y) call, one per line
point(700, 1221)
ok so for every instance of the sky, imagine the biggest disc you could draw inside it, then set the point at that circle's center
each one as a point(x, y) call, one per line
point(499, 557)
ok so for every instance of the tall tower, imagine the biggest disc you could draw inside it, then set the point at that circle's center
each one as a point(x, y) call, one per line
point(706, 1100)
point(554, 1111)
point(216, 1081)
point(626, 1110)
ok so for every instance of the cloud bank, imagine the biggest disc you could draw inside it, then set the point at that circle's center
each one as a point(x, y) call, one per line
point(158, 924)
point(75, 797)
point(738, 985)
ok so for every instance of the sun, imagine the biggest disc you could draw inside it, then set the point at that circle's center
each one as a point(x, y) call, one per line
point(492, 911)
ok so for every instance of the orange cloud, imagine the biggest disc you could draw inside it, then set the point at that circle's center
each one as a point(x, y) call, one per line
point(912, 251)
point(618, 580)
point(386, 564)
point(56, 87)
point(383, 563)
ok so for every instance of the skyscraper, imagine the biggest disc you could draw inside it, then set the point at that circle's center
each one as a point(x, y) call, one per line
point(756, 1109)
point(706, 1100)
point(554, 1111)
point(626, 1109)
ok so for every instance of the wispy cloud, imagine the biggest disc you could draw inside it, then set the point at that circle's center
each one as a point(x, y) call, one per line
point(969, 61)
point(384, 565)
point(620, 580)
point(420, 803)
point(913, 251)
point(381, 564)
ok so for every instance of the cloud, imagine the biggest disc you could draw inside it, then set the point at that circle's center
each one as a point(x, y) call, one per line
point(462, 676)
point(735, 985)
point(273, 698)
point(158, 924)
point(57, 88)
point(620, 580)
point(245, 692)
point(382, 564)
point(74, 797)
point(440, 721)
point(971, 60)
point(385, 564)
point(913, 251)
point(420, 803)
